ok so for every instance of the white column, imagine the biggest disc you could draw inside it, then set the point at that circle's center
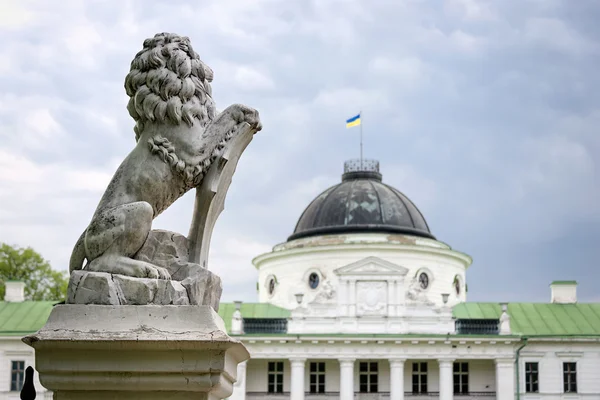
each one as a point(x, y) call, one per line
point(239, 388)
point(297, 386)
point(505, 379)
point(446, 380)
point(346, 379)
point(397, 379)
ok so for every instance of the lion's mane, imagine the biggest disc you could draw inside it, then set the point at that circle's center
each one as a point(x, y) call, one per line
point(168, 82)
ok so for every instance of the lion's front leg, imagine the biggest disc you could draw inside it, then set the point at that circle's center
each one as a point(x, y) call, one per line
point(115, 235)
point(241, 113)
point(228, 122)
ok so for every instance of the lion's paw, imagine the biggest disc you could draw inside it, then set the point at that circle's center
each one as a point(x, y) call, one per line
point(163, 273)
point(248, 115)
point(153, 272)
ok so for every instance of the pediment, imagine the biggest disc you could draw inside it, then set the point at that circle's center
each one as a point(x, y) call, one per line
point(372, 266)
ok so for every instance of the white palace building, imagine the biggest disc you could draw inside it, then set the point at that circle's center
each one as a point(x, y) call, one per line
point(363, 302)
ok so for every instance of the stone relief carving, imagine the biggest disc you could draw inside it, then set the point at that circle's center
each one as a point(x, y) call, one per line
point(327, 294)
point(182, 144)
point(415, 294)
point(371, 297)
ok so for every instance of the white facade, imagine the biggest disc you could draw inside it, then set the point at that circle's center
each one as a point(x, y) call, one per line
point(369, 307)
point(394, 358)
point(491, 367)
point(12, 349)
point(550, 356)
point(291, 264)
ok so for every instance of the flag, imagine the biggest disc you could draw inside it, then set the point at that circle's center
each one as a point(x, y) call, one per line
point(354, 121)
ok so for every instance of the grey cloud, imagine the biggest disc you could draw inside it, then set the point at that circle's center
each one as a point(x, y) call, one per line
point(484, 113)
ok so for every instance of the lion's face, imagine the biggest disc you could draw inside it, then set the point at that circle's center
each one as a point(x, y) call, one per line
point(168, 82)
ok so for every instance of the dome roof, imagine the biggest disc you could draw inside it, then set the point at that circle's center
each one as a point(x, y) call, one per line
point(361, 203)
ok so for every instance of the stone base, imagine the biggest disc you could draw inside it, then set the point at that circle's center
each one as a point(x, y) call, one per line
point(136, 352)
point(191, 283)
point(106, 289)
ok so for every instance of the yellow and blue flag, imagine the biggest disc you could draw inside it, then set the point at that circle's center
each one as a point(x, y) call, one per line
point(354, 121)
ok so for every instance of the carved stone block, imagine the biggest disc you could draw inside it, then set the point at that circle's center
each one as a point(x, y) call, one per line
point(190, 284)
point(106, 289)
point(163, 248)
point(371, 297)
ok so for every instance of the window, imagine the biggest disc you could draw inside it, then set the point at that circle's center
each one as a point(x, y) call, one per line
point(423, 280)
point(531, 377)
point(275, 377)
point(457, 285)
point(419, 377)
point(317, 377)
point(313, 280)
point(17, 375)
point(570, 377)
point(368, 374)
point(271, 286)
point(461, 377)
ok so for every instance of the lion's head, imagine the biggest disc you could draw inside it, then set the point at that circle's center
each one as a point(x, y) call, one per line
point(168, 82)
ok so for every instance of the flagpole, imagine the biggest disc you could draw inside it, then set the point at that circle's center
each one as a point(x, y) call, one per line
point(361, 139)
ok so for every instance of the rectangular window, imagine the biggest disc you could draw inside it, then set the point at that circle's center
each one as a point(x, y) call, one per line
point(317, 377)
point(368, 375)
point(17, 375)
point(461, 377)
point(419, 377)
point(275, 377)
point(570, 377)
point(531, 377)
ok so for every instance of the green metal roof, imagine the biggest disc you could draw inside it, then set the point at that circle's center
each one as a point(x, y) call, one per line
point(19, 319)
point(251, 310)
point(24, 318)
point(539, 319)
point(564, 283)
point(527, 319)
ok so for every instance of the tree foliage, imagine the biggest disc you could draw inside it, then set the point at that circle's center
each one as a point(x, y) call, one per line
point(25, 264)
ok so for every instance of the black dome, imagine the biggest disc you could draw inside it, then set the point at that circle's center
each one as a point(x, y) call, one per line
point(361, 203)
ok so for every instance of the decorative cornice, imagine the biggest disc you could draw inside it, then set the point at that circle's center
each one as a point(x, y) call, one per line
point(569, 354)
point(392, 339)
point(532, 354)
point(465, 259)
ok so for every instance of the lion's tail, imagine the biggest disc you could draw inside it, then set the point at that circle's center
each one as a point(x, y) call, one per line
point(78, 255)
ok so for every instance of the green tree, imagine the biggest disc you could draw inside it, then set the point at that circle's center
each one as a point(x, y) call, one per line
point(25, 264)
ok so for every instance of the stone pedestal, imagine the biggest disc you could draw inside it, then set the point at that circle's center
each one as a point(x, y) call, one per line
point(95, 352)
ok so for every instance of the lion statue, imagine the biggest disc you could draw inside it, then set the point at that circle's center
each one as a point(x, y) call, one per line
point(178, 135)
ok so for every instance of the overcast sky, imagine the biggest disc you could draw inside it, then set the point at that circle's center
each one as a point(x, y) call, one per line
point(484, 113)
